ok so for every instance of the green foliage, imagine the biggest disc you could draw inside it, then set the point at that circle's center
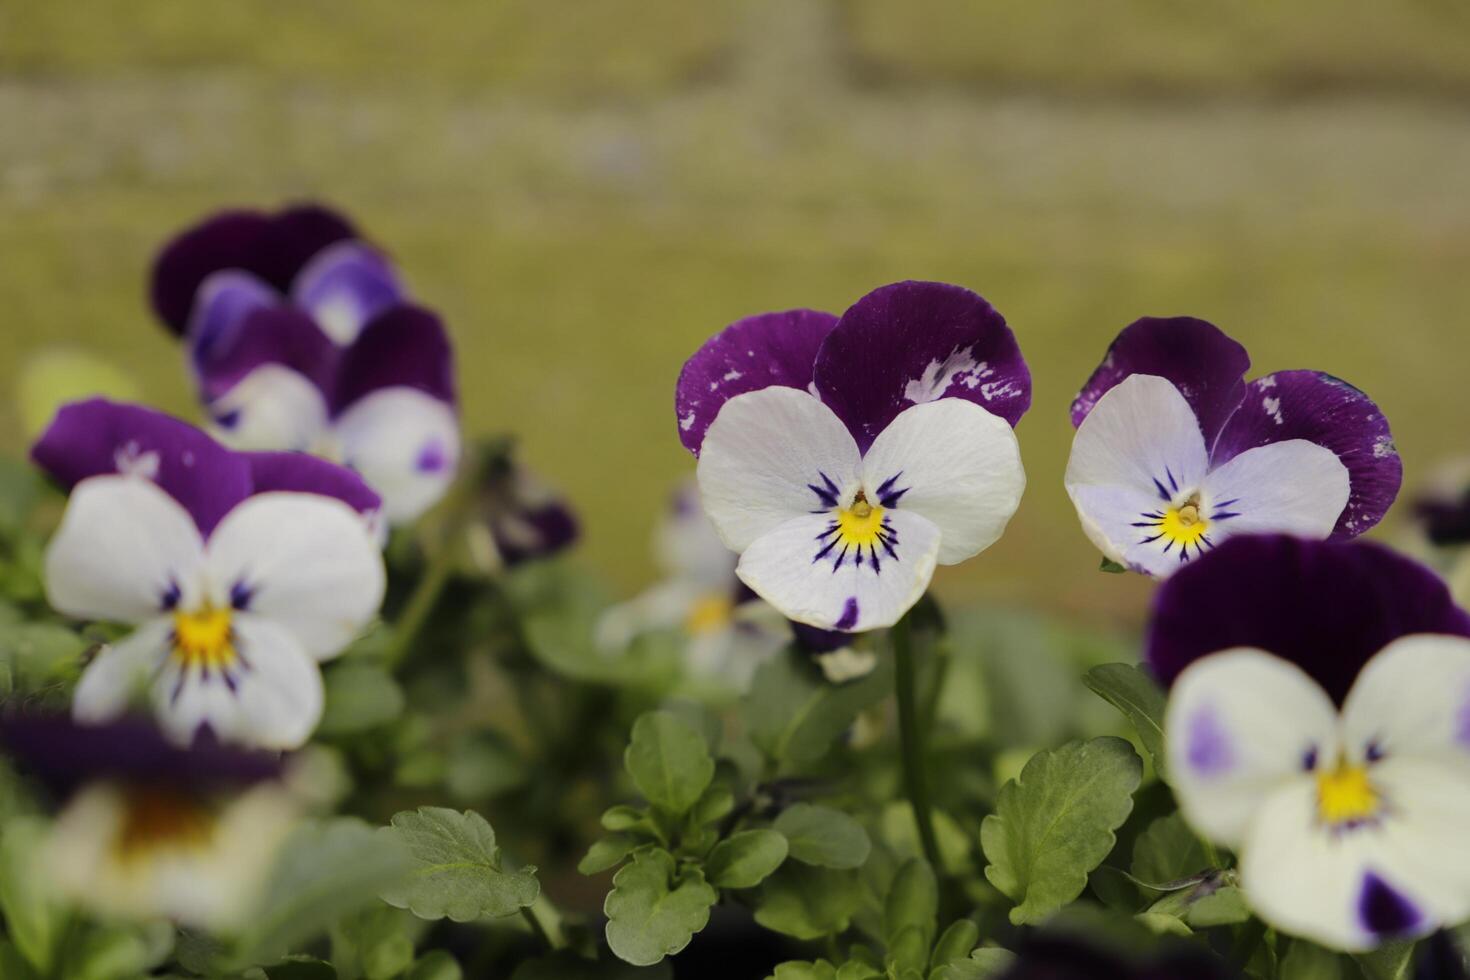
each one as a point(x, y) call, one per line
point(823, 836)
point(743, 860)
point(655, 908)
point(457, 869)
point(359, 696)
point(1056, 823)
point(34, 655)
point(794, 714)
point(807, 902)
point(1308, 961)
point(1139, 698)
point(1167, 851)
point(669, 761)
point(912, 903)
point(437, 965)
point(34, 919)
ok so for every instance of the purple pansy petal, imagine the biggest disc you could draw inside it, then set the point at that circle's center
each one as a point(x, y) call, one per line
point(64, 755)
point(1386, 912)
point(537, 532)
point(915, 342)
point(813, 640)
point(1326, 606)
point(274, 335)
point(304, 473)
point(94, 437)
point(757, 352)
point(1197, 357)
point(344, 286)
point(1332, 413)
point(405, 347)
point(223, 302)
point(225, 240)
point(293, 237)
point(1446, 521)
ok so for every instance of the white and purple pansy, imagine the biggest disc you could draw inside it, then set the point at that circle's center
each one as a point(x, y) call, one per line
point(301, 338)
point(1175, 452)
point(148, 829)
point(1319, 726)
point(240, 571)
point(843, 458)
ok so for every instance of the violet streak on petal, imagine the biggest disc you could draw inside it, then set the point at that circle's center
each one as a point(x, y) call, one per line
point(1326, 606)
point(276, 335)
point(915, 342)
point(95, 437)
point(405, 347)
point(1386, 912)
point(1332, 413)
point(222, 303)
point(1197, 357)
point(346, 285)
point(304, 473)
point(753, 353)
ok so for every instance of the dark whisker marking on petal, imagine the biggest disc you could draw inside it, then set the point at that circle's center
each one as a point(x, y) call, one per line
point(827, 494)
point(1167, 546)
point(1144, 524)
point(1225, 516)
point(1153, 539)
point(1173, 483)
point(173, 697)
point(831, 529)
point(841, 555)
point(171, 595)
point(1206, 539)
point(826, 548)
point(1163, 494)
point(1227, 503)
point(1155, 514)
point(889, 497)
point(240, 594)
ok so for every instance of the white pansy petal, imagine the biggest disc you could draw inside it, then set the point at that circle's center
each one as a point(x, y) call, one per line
point(1423, 834)
point(272, 407)
point(406, 445)
point(811, 578)
point(688, 547)
point(771, 455)
point(120, 672)
point(1293, 487)
point(1240, 724)
point(1111, 517)
point(280, 692)
point(1413, 699)
point(1143, 438)
point(953, 463)
point(306, 562)
point(186, 699)
point(123, 547)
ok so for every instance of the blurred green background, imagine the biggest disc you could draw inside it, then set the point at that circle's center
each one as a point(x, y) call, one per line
point(589, 189)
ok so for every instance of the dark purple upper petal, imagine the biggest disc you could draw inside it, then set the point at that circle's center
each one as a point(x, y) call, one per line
point(404, 347)
point(94, 437)
point(1205, 365)
point(1327, 606)
point(273, 335)
point(1332, 413)
point(223, 301)
point(813, 640)
point(347, 277)
point(770, 350)
point(273, 247)
point(65, 755)
point(304, 473)
point(914, 342)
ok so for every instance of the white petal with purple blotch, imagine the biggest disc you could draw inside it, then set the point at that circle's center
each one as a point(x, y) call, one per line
point(807, 572)
point(770, 456)
point(1241, 725)
point(272, 407)
point(305, 562)
point(405, 444)
point(1294, 487)
point(955, 464)
point(119, 673)
point(280, 693)
point(124, 552)
point(1413, 698)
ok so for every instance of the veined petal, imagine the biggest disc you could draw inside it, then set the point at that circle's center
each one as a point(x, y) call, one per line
point(272, 407)
point(1240, 726)
point(119, 673)
point(305, 562)
point(280, 694)
point(1413, 699)
point(954, 463)
point(813, 575)
point(1293, 487)
point(772, 455)
point(406, 445)
point(126, 552)
point(1330, 412)
point(913, 342)
point(750, 354)
point(344, 286)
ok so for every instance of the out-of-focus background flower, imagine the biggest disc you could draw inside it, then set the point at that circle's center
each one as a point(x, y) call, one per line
point(588, 191)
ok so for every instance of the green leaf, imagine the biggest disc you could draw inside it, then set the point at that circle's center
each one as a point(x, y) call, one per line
point(913, 901)
point(794, 714)
point(457, 870)
point(33, 916)
point(1167, 851)
point(1393, 961)
point(1111, 567)
point(13, 966)
point(715, 804)
point(650, 913)
point(823, 836)
point(908, 950)
point(798, 970)
point(375, 943)
point(607, 853)
point(1308, 961)
point(117, 952)
point(983, 964)
point(956, 942)
point(437, 965)
point(1139, 698)
point(669, 761)
point(806, 902)
point(33, 655)
point(326, 870)
point(1224, 906)
point(1056, 823)
point(482, 765)
point(359, 697)
point(744, 860)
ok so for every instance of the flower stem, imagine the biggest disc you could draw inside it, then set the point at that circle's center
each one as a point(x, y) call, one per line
point(915, 776)
point(537, 929)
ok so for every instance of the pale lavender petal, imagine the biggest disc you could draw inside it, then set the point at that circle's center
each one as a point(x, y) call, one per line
point(1205, 365)
point(345, 286)
point(773, 349)
point(1332, 413)
point(304, 473)
point(915, 342)
point(406, 347)
point(223, 302)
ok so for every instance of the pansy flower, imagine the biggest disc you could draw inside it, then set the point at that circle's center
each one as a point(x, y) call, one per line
point(239, 571)
point(843, 458)
point(523, 518)
point(1319, 726)
point(149, 829)
point(1175, 452)
point(301, 337)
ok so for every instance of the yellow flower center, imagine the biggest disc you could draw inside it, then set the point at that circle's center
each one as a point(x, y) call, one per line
point(204, 638)
point(709, 613)
point(860, 525)
point(1345, 795)
point(1184, 525)
point(155, 819)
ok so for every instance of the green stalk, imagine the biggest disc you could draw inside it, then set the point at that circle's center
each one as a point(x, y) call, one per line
point(915, 776)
